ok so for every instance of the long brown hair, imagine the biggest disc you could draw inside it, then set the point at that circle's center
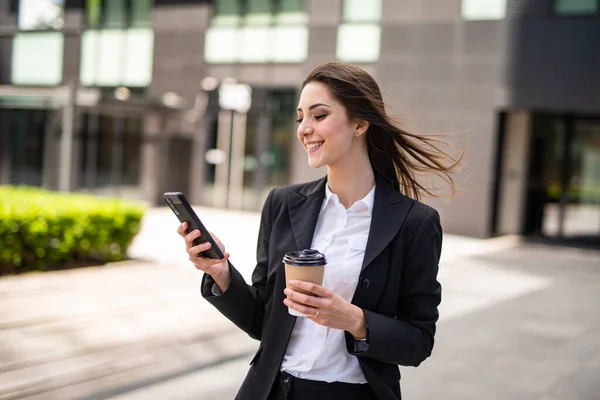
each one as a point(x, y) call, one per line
point(395, 154)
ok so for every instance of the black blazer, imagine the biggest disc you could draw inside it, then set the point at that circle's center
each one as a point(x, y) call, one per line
point(397, 289)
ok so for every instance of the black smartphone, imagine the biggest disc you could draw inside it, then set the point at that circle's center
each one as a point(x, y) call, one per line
point(184, 212)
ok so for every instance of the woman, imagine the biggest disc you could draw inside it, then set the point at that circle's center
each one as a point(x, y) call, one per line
point(377, 308)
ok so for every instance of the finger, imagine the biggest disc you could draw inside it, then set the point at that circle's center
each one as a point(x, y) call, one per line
point(205, 264)
point(318, 290)
point(190, 237)
point(300, 307)
point(196, 250)
point(181, 229)
point(305, 299)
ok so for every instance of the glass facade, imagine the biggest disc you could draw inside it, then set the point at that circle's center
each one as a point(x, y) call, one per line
point(41, 14)
point(359, 36)
point(257, 31)
point(576, 7)
point(119, 47)
point(483, 10)
point(37, 58)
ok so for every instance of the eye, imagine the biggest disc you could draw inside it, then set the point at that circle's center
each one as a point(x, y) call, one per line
point(319, 117)
point(299, 120)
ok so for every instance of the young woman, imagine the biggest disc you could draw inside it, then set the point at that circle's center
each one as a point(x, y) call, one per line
point(377, 308)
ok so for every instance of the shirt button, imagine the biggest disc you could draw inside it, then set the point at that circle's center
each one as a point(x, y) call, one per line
point(366, 283)
point(286, 379)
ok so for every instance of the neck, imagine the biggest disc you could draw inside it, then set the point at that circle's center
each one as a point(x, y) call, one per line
point(351, 181)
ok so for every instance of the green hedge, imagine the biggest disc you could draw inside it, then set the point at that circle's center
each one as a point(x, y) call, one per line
point(42, 230)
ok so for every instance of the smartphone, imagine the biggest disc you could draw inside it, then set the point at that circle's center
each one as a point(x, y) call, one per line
point(184, 212)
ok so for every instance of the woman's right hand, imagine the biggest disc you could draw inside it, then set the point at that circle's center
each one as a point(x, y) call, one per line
point(218, 269)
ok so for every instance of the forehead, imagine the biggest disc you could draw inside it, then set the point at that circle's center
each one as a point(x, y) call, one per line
point(315, 92)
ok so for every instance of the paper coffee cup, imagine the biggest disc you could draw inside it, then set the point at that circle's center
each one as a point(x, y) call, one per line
point(306, 265)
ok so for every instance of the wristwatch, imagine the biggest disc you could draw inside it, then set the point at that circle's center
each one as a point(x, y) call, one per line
point(362, 345)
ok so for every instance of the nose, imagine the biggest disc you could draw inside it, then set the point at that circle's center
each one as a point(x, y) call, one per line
point(304, 129)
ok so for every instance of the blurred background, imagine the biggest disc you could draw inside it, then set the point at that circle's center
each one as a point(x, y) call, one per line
point(132, 98)
point(135, 91)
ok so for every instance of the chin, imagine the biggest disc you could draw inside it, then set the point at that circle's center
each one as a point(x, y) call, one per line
point(314, 163)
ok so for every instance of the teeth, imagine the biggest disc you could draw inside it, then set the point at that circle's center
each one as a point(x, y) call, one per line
point(313, 145)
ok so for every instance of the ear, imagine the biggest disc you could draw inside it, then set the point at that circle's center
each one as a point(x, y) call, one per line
point(361, 126)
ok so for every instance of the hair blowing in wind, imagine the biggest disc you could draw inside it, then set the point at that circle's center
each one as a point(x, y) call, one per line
point(399, 156)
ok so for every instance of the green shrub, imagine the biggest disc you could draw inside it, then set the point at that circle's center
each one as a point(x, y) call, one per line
point(42, 230)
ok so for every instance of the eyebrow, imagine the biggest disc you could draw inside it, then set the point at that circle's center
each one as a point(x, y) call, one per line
point(314, 106)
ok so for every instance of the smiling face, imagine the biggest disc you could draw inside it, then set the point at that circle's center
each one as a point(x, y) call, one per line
point(324, 129)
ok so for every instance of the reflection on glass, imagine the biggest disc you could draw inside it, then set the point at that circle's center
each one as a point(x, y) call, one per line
point(582, 214)
point(552, 164)
point(483, 10)
point(41, 14)
point(141, 13)
point(358, 42)
point(93, 13)
point(115, 15)
point(37, 58)
point(362, 11)
point(576, 6)
point(26, 130)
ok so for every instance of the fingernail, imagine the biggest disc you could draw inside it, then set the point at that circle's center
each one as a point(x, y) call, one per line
point(286, 291)
point(293, 282)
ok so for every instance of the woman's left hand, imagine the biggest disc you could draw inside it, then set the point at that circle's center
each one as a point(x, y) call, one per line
point(326, 308)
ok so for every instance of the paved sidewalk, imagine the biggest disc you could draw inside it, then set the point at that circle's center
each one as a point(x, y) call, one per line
point(518, 321)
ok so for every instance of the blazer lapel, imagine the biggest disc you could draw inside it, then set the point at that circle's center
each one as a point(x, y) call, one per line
point(389, 212)
point(304, 207)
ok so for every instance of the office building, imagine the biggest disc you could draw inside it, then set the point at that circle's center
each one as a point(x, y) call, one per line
point(515, 82)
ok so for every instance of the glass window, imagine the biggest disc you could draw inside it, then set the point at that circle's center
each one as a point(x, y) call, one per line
point(220, 44)
point(291, 12)
point(37, 58)
point(110, 66)
point(93, 13)
point(90, 43)
point(576, 6)
point(141, 13)
point(139, 57)
point(115, 14)
point(362, 10)
point(41, 14)
point(254, 44)
point(474, 10)
point(226, 12)
point(258, 12)
point(283, 51)
point(117, 57)
point(358, 42)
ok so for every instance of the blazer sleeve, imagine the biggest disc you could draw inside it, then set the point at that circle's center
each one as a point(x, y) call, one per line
point(407, 339)
point(244, 304)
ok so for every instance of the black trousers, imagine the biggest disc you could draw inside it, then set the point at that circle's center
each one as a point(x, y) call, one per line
point(287, 387)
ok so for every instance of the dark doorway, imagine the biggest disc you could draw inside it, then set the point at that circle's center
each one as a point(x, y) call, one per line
point(26, 129)
point(563, 190)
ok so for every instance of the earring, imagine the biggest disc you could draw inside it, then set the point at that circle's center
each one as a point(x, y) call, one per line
point(357, 135)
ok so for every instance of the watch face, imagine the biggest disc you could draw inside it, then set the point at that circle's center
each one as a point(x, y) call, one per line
point(360, 345)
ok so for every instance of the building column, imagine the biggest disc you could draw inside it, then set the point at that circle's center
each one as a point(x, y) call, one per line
point(5, 144)
point(150, 158)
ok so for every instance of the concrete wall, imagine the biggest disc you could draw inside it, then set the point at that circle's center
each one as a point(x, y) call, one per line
point(441, 75)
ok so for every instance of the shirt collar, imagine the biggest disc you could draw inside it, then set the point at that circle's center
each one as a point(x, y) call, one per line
point(368, 200)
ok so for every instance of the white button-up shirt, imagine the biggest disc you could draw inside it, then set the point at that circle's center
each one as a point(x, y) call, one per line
point(314, 351)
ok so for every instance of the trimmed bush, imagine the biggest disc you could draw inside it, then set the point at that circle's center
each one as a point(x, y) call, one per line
point(42, 230)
